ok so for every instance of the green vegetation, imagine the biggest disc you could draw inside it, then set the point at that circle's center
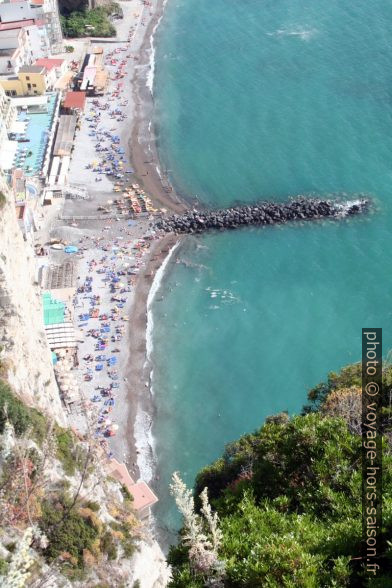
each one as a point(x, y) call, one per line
point(126, 493)
point(68, 532)
point(20, 416)
point(69, 453)
point(108, 545)
point(127, 538)
point(288, 497)
point(94, 506)
point(75, 539)
point(90, 23)
point(3, 199)
point(3, 566)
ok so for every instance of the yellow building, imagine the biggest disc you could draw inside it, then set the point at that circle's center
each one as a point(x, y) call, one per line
point(31, 80)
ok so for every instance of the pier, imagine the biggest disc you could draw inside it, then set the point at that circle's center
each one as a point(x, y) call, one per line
point(263, 213)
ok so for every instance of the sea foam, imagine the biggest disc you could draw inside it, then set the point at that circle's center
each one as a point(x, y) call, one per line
point(151, 72)
point(303, 34)
point(156, 284)
point(144, 439)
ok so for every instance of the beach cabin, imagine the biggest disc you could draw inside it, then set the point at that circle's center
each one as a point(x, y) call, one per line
point(143, 497)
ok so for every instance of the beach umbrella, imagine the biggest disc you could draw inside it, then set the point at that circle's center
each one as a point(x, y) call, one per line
point(115, 427)
point(71, 249)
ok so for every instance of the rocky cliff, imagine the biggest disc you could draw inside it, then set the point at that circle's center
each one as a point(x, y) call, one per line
point(71, 523)
point(68, 6)
point(24, 353)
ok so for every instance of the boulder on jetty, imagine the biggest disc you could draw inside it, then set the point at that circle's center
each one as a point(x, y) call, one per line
point(262, 213)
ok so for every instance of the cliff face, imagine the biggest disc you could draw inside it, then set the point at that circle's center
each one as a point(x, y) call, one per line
point(24, 353)
point(68, 6)
point(25, 362)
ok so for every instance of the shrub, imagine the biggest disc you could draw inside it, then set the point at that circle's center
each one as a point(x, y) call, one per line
point(20, 416)
point(71, 455)
point(66, 531)
point(126, 493)
point(94, 506)
point(65, 446)
point(89, 22)
point(3, 566)
point(3, 199)
point(126, 538)
point(108, 545)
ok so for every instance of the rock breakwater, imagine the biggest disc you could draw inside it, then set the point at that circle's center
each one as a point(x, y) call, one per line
point(262, 213)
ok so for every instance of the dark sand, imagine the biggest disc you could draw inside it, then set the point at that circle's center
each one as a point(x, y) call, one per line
point(144, 158)
point(142, 143)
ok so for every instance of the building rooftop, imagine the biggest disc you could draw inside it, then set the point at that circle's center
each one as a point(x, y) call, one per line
point(142, 494)
point(7, 52)
point(32, 69)
point(16, 24)
point(49, 63)
point(74, 100)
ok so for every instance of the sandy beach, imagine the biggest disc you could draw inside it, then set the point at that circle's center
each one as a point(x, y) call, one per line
point(142, 142)
point(113, 250)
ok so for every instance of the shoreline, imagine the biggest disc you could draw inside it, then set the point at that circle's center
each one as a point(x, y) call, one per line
point(142, 145)
point(144, 158)
point(141, 408)
point(78, 224)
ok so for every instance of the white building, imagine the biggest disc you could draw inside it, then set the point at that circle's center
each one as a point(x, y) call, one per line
point(15, 50)
point(42, 12)
point(7, 119)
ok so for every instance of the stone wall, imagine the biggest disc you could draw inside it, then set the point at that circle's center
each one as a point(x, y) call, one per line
point(24, 353)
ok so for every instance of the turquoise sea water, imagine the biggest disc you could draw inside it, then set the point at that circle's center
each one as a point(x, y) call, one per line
point(265, 99)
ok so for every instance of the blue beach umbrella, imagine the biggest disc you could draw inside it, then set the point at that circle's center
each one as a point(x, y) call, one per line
point(71, 249)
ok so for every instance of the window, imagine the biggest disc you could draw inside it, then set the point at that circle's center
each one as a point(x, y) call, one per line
point(35, 92)
point(27, 77)
point(34, 85)
point(29, 86)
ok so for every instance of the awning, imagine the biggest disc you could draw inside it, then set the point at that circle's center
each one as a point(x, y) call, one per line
point(61, 336)
point(65, 135)
point(64, 81)
point(30, 101)
point(7, 154)
point(18, 126)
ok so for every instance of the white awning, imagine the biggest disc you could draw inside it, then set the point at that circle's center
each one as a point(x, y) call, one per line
point(18, 126)
point(61, 336)
point(30, 101)
point(7, 154)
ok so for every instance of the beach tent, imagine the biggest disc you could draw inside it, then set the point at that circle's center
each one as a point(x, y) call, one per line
point(53, 309)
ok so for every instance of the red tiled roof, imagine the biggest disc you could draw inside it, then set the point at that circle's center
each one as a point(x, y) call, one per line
point(142, 495)
point(74, 100)
point(16, 24)
point(49, 63)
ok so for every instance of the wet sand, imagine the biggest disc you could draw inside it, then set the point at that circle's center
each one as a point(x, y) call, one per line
point(138, 370)
point(142, 144)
